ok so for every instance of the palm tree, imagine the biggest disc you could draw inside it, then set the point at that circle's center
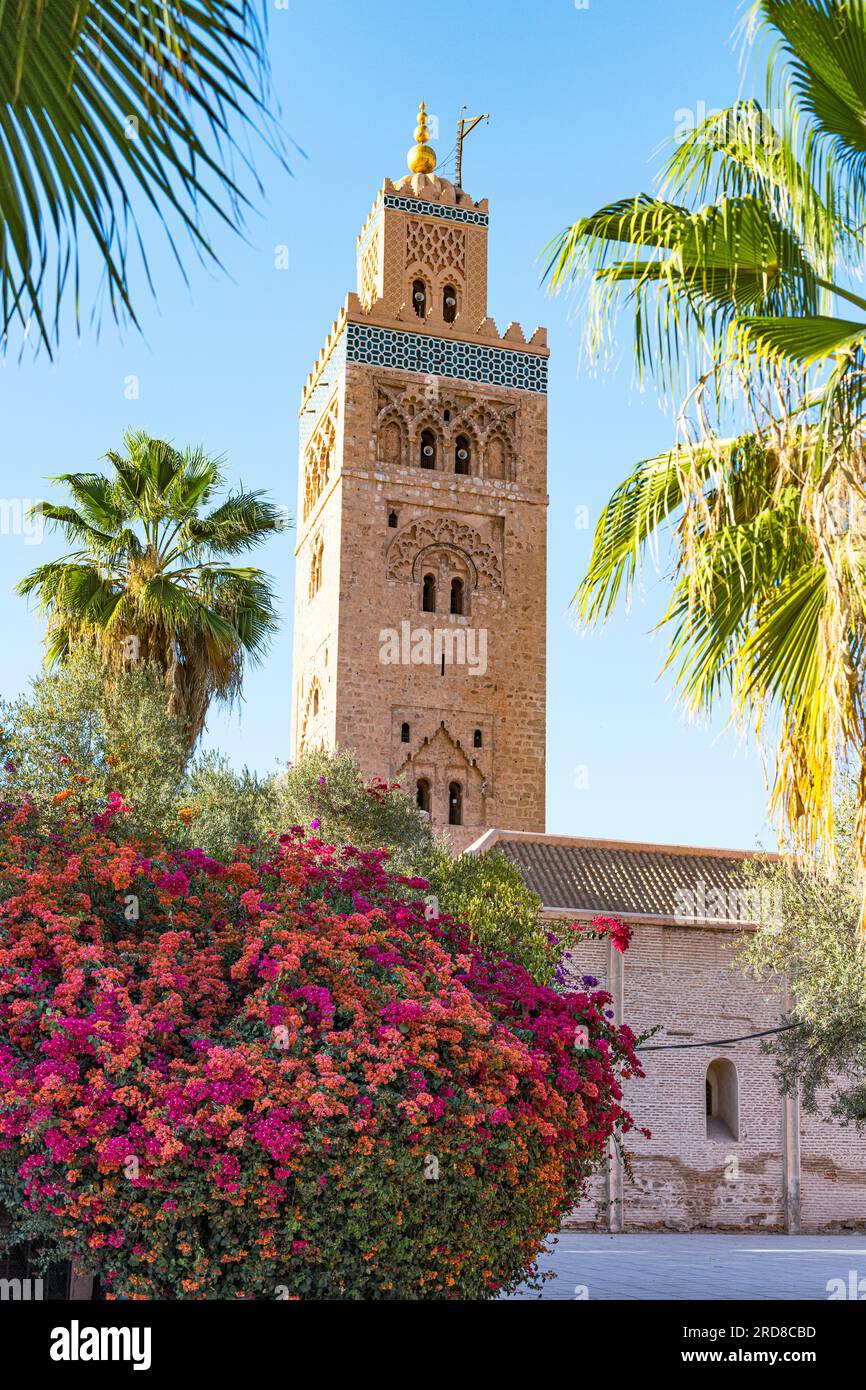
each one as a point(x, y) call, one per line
point(150, 579)
point(735, 274)
point(107, 108)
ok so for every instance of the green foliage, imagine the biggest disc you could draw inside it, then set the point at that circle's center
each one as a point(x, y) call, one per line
point(223, 808)
point(489, 893)
point(811, 933)
point(107, 108)
point(151, 577)
point(737, 279)
point(78, 736)
point(330, 788)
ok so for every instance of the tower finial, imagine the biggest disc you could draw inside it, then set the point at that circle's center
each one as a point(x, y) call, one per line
point(422, 157)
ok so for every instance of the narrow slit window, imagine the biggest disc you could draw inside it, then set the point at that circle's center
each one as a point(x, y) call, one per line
point(455, 804)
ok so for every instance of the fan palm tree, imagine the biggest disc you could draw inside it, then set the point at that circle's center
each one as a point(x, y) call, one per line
point(739, 277)
point(151, 578)
point(108, 107)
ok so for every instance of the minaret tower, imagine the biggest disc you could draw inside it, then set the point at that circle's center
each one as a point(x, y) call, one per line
point(421, 548)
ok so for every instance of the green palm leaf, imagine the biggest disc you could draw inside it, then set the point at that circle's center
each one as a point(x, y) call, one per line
point(104, 105)
point(801, 340)
point(154, 585)
point(733, 276)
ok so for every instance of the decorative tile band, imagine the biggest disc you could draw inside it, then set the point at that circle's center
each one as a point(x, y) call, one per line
point(412, 352)
point(321, 392)
point(371, 227)
point(443, 210)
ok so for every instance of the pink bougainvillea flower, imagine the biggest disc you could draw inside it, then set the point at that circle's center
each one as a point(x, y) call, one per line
point(282, 1055)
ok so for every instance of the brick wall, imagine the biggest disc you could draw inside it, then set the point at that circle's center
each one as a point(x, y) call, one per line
point(681, 977)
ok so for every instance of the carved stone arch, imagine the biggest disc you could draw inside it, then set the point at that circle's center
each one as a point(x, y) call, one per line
point(317, 550)
point(392, 434)
point(311, 725)
point(319, 457)
point(439, 760)
point(417, 273)
point(464, 425)
point(426, 419)
point(443, 531)
point(498, 457)
point(449, 276)
point(490, 417)
point(423, 558)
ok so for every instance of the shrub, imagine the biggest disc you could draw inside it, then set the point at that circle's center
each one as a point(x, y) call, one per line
point(810, 933)
point(230, 1080)
point(80, 734)
point(489, 893)
point(77, 735)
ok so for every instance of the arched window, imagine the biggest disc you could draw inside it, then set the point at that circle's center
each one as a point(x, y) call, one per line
point(428, 449)
point(316, 701)
point(422, 794)
point(722, 1100)
point(316, 568)
point(392, 518)
point(455, 803)
point(428, 594)
point(456, 595)
point(497, 459)
point(449, 304)
point(404, 733)
point(476, 739)
point(462, 455)
point(392, 443)
point(419, 298)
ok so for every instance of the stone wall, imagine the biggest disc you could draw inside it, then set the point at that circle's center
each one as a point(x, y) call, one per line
point(785, 1170)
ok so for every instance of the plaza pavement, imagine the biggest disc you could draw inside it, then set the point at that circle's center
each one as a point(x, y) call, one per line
point(674, 1266)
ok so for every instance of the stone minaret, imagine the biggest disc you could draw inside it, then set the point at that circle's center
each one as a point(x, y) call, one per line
point(420, 595)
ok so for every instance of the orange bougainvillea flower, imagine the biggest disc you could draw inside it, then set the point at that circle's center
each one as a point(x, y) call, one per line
point(59, 797)
point(222, 1080)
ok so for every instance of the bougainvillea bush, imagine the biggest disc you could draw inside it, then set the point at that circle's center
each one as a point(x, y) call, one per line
point(275, 1077)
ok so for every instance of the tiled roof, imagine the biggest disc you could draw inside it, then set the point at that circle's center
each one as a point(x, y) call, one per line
point(584, 876)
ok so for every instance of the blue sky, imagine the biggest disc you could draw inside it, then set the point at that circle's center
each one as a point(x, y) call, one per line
point(580, 98)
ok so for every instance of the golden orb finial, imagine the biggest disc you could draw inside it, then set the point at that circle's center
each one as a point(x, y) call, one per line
point(422, 157)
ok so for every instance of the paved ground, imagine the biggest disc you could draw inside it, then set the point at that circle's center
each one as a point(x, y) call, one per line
point(704, 1267)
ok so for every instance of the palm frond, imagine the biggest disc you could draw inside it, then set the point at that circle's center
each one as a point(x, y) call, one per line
point(106, 107)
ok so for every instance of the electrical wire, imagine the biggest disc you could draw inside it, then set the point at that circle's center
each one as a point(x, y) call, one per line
point(719, 1042)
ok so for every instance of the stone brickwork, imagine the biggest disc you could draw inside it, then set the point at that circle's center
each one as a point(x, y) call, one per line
point(774, 1168)
point(422, 503)
point(681, 977)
